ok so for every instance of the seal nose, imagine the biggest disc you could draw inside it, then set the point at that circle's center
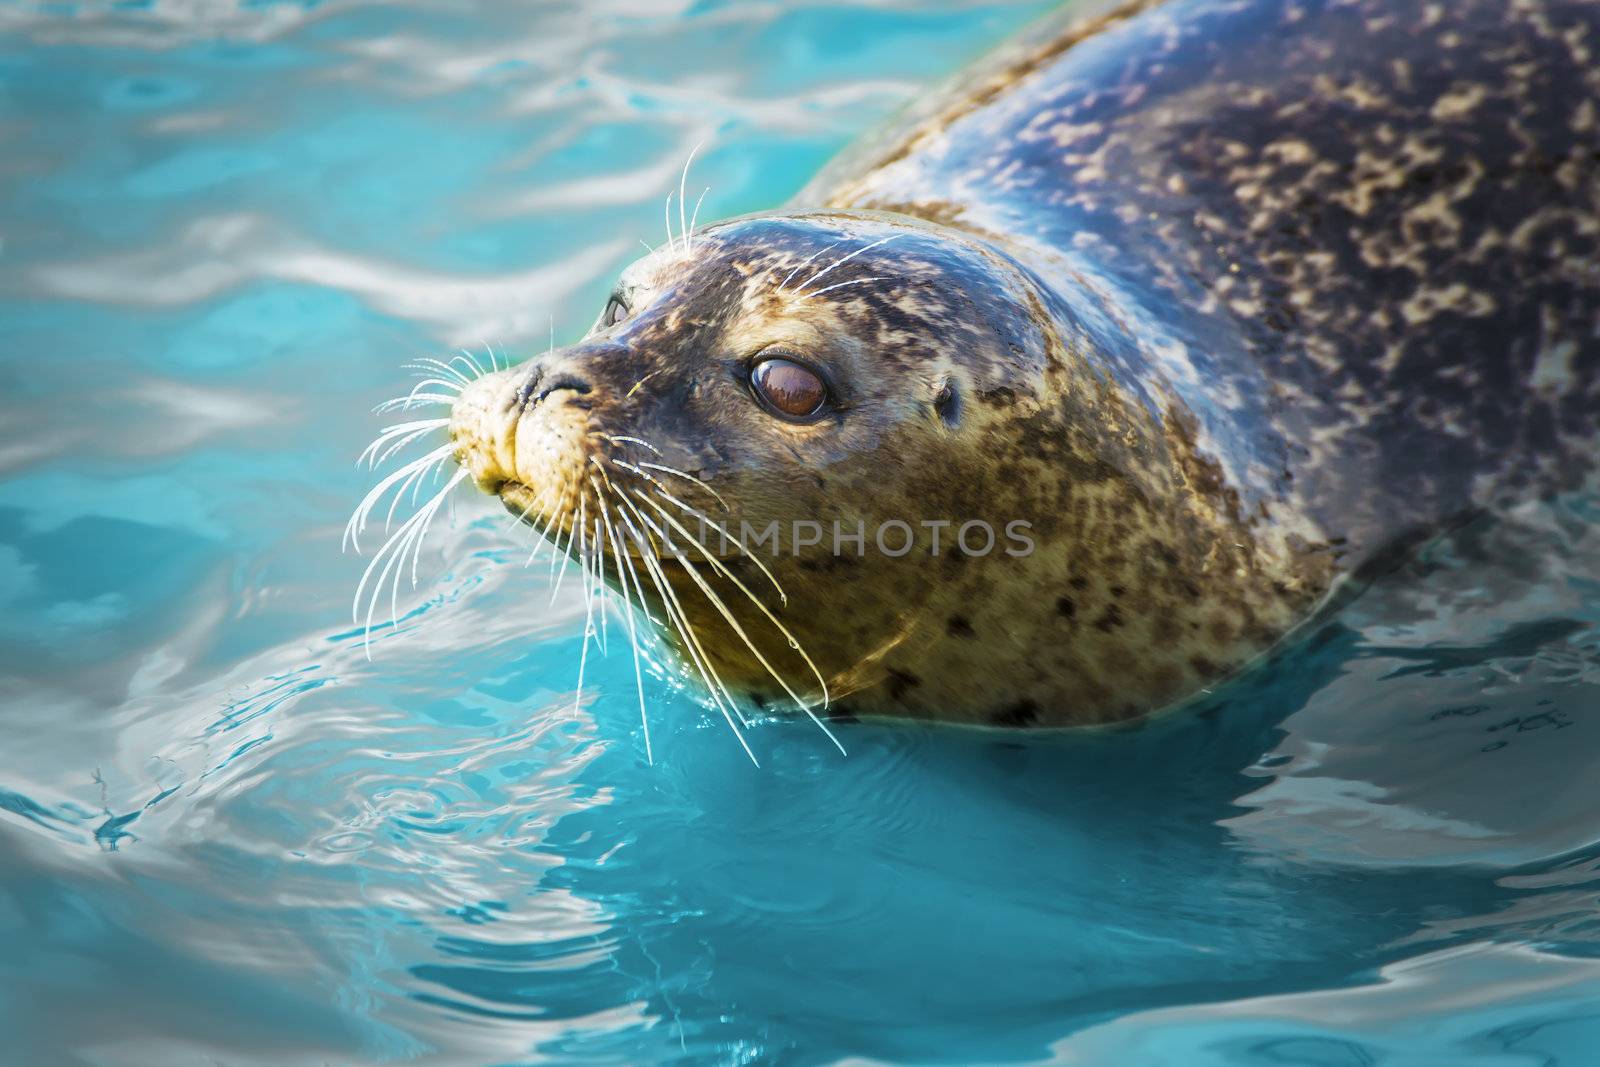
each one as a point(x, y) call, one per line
point(543, 380)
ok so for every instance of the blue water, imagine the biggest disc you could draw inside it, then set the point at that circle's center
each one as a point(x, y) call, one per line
point(228, 837)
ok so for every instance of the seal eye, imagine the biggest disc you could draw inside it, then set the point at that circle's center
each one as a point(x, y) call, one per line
point(616, 311)
point(790, 389)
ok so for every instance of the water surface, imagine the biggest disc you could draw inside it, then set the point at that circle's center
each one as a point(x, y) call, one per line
point(227, 836)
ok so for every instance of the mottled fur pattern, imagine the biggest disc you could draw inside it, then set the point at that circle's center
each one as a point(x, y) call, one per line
point(1221, 297)
point(1362, 234)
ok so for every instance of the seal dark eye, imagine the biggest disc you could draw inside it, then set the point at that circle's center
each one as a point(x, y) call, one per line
point(616, 311)
point(790, 389)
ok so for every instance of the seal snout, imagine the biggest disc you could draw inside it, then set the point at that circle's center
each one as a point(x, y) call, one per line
point(483, 423)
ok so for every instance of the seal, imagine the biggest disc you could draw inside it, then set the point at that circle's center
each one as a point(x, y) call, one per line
point(1093, 380)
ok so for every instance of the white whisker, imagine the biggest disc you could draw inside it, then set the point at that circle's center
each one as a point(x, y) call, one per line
point(543, 521)
point(802, 264)
point(563, 556)
point(679, 621)
point(442, 367)
point(683, 182)
point(783, 598)
point(694, 218)
point(689, 477)
point(633, 631)
point(358, 519)
point(405, 403)
point(672, 244)
point(611, 486)
point(412, 397)
point(405, 432)
point(588, 599)
point(600, 582)
point(803, 297)
point(413, 530)
point(842, 260)
point(717, 602)
point(680, 618)
point(621, 439)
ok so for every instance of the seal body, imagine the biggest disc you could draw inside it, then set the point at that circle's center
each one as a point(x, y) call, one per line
point(1358, 239)
point(1219, 299)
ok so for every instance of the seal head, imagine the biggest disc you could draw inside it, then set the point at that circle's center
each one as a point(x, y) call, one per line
point(839, 456)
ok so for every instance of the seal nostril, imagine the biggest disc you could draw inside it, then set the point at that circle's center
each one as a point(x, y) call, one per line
point(539, 385)
point(564, 381)
point(525, 391)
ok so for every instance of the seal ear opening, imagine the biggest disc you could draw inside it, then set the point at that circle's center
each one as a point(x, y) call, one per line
point(947, 402)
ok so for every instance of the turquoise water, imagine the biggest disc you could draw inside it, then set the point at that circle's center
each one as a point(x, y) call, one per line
point(228, 837)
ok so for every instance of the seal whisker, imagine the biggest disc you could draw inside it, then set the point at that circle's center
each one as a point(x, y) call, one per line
point(404, 427)
point(672, 244)
point(540, 541)
point(453, 390)
point(394, 550)
point(358, 519)
point(559, 559)
point(430, 471)
point(405, 403)
point(630, 440)
point(372, 605)
point(477, 371)
point(449, 385)
point(611, 487)
point(802, 264)
point(396, 437)
point(638, 384)
point(441, 366)
point(676, 613)
point(541, 522)
point(588, 601)
point(455, 385)
point(431, 509)
point(520, 519)
point(633, 630)
point(722, 608)
point(683, 180)
point(412, 483)
point(412, 541)
point(695, 217)
point(842, 260)
point(687, 628)
point(803, 297)
point(470, 358)
point(622, 464)
point(661, 491)
point(600, 578)
point(689, 477)
point(680, 622)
